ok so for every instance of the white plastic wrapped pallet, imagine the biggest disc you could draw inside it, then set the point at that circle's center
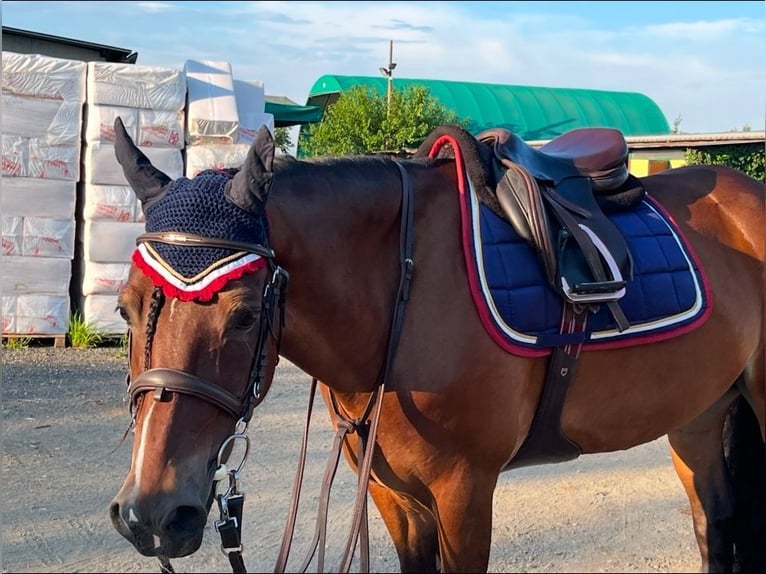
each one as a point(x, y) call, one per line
point(29, 275)
point(136, 86)
point(102, 313)
point(38, 197)
point(211, 110)
point(43, 77)
point(101, 165)
point(147, 128)
point(116, 203)
point(105, 278)
point(43, 101)
point(38, 237)
point(150, 101)
point(42, 314)
point(214, 156)
point(120, 244)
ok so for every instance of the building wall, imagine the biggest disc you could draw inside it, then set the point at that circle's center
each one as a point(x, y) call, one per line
point(641, 166)
point(21, 45)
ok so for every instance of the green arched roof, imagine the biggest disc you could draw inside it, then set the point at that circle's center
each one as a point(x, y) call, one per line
point(533, 113)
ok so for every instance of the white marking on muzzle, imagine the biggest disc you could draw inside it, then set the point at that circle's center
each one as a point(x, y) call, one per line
point(132, 516)
point(139, 462)
point(157, 543)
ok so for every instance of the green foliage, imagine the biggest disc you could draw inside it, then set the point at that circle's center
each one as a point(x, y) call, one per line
point(122, 351)
point(282, 139)
point(360, 122)
point(16, 343)
point(82, 334)
point(747, 158)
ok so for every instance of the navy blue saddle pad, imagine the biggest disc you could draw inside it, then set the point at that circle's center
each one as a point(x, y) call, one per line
point(667, 296)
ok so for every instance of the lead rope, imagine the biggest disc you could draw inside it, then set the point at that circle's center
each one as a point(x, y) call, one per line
point(359, 526)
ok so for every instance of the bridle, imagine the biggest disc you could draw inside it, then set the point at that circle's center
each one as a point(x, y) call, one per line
point(231, 501)
point(240, 407)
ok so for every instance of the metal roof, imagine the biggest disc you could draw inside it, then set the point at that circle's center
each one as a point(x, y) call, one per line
point(532, 112)
point(107, 53)
point(289, 113)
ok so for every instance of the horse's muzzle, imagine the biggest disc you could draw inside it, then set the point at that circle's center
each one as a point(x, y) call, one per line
point(173, 533)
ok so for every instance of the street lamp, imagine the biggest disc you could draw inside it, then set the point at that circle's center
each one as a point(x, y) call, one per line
point(389, 73)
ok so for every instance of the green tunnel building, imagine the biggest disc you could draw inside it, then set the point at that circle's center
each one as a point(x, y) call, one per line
point(531, 112)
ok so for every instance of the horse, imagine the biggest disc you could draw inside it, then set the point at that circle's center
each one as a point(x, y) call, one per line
point(357, 270)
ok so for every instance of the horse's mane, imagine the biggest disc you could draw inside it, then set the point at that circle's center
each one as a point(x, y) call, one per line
point(477, 158)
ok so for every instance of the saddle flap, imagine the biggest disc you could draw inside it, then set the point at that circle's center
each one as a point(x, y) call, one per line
point(520, 199)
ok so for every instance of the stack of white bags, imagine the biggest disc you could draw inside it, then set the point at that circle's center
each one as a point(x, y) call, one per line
point(42, 121)
point(150, 101)
point(69, 217)
point(223, 115)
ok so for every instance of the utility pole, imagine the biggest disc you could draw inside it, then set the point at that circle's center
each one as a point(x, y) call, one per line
point(389, 74)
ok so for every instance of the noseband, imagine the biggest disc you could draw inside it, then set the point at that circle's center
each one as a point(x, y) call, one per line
point(165, 380)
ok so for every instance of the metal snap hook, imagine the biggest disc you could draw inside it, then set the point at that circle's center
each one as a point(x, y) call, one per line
point(222, 470)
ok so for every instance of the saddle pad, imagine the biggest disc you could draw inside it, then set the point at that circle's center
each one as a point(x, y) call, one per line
point(668, 295)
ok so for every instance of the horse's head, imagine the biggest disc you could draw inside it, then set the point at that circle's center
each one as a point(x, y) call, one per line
point(202, 305)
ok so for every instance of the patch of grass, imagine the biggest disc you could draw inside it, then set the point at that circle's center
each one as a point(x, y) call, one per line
point(122, 352)
point(16, 343)
point(82, 334)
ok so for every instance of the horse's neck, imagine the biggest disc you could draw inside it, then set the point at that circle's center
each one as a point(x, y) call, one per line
point(335, 229)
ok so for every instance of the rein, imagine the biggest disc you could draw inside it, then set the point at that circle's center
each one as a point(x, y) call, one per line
point(367, 430)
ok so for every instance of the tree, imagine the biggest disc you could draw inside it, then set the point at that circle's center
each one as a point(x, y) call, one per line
point(360, 122)
point(677, 125)
point(282, 139)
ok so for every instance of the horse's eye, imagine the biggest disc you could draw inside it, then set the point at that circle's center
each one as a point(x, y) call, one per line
point(244, 319)
point(123, 313)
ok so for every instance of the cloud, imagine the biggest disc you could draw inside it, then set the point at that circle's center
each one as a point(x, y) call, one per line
point(704, 30)
point(155, 7)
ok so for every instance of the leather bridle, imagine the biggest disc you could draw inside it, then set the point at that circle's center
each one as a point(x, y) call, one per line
point(162, 380)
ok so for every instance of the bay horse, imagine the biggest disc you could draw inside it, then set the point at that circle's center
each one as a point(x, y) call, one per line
point(385, 309)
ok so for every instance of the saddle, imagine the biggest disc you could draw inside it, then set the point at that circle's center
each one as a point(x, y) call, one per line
point(556, 197)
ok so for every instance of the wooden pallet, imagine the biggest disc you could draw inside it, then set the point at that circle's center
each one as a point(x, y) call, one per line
point(58, 341)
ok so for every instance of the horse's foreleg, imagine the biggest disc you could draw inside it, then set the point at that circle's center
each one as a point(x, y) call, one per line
point(412, 528)
point(463, 510)
point(698, 456)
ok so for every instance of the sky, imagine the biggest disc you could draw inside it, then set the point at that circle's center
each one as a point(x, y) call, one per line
point(701, 62)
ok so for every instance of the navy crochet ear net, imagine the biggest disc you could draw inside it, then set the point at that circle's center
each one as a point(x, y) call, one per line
point(199, 206)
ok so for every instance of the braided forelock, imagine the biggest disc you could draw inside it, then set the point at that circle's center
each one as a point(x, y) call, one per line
point(151, 323)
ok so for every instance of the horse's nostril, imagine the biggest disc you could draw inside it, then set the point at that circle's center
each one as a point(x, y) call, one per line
point(114, 514)
point(185, 520)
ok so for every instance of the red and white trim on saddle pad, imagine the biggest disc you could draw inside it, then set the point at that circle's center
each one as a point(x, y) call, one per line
point(202, 286)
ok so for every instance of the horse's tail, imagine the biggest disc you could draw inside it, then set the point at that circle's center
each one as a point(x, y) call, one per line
point(745, 454)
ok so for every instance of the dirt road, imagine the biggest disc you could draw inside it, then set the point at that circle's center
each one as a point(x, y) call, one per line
point(64, 414)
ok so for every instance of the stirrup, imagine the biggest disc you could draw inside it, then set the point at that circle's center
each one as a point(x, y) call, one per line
point(596, 291)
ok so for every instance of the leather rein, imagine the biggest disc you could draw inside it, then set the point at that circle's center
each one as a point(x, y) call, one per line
point(231, 502)
point(366, 429)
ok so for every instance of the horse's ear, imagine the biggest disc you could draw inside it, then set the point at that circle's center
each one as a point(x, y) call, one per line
point(147, 181)
point(250, 186)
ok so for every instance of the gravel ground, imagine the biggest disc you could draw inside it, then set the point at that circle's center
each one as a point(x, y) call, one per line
point(64, 413)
